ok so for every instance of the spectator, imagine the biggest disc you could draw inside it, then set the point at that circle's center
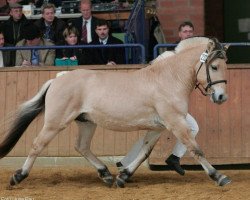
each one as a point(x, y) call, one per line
point(13, 27)
point(6, 56)
point(39, 3)
point(110, 56)
point(50, 26)
point(6, 8)
point(34, 57)
point(186, 30)
point(70, 35)
point(86, 23)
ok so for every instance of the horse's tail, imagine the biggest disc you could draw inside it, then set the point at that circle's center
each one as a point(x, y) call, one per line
point(25, 115)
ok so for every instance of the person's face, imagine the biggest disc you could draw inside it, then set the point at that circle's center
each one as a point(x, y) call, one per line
point(85, 9)
point(71, 39)
point(186, 32)
point(102, 31)
point(49, 15)
point(34, 42)
point(16, 13)
point(1, 40)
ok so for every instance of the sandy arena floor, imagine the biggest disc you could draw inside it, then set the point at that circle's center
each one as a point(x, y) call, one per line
point(83, 184)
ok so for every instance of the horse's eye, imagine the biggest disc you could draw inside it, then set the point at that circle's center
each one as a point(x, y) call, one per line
point(214, 68)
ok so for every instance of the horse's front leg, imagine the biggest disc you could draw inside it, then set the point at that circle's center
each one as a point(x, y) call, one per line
point(182, 131)
point(86, 132)
point(139, 152)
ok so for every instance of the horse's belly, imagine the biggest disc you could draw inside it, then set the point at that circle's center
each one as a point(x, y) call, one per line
point(152, 122)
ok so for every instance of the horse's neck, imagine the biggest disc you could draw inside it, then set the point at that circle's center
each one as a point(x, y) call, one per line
point(179, 70)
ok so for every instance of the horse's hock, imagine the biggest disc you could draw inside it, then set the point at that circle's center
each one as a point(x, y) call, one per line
point(224, 130)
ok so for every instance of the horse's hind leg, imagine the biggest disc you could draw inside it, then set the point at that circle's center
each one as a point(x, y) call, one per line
point(86, 132)
point(43, 138)
point(140, 151)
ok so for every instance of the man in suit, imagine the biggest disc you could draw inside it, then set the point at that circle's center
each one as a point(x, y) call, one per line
point(86, 23)
point(109, 56)
point(6, 56)
point(34, 57)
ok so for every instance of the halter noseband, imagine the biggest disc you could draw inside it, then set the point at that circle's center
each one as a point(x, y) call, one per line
point(203, 59)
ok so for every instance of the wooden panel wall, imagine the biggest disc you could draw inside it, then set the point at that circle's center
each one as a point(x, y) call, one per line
point(224, 130)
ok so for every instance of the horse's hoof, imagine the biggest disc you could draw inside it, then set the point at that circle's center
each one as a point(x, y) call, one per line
point(224, 180)
point(17, 177)
point(12, 181)
point(108, 181)
point(122, 178)
point(106, 176)
point(120, 182)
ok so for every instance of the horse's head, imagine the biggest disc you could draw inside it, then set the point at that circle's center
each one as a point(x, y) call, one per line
point(210, 72)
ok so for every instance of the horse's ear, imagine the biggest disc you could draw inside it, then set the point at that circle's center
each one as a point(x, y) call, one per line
point(225, 47)
point(211, 45)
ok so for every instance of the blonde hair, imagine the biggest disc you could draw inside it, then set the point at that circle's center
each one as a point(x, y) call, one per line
point(48, 6)
point(69, 30)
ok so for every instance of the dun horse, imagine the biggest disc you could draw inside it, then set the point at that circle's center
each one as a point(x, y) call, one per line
point(154, 98)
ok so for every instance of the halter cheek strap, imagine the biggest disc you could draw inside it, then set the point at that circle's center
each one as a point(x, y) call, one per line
point(203, 59)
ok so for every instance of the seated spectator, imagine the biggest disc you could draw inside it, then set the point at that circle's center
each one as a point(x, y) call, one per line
point(109, 56)
point(50, 26)
point(185, 30)
point(39, 3)
point(71, 35)
point(34, 57)
point(13, 27)
point(86, 23)
point(6, 56)
point(6, 8)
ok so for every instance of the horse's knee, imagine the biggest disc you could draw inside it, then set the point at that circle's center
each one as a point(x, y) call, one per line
point(192, 125)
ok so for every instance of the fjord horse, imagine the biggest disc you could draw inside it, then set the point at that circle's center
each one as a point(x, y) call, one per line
point(154, 98)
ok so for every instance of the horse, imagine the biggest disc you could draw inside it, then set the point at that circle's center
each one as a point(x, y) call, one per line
point(153, 98)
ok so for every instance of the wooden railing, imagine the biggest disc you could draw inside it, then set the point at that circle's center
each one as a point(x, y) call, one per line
point(224, 130)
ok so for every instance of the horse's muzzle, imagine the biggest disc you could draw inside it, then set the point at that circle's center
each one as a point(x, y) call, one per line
point(218, 98)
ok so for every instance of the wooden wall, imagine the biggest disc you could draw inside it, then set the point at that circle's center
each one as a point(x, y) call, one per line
point(224, 130)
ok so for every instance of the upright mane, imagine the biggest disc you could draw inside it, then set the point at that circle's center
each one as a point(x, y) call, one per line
point(190, 43)
point(183, 45)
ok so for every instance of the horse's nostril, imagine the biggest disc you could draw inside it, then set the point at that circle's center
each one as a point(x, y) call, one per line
point(221, 97)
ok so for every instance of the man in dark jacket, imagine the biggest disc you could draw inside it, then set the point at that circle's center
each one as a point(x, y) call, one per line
point(14, 26)
point(109, 56)
point(50, 26)
point(86, 23)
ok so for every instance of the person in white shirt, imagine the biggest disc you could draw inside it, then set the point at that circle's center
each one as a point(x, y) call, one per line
point(86, 35)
